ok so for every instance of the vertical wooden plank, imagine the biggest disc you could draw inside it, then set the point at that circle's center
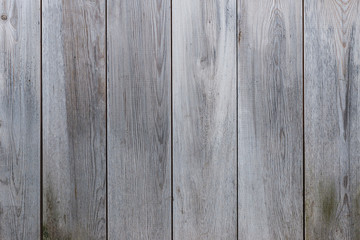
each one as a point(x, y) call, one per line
point(74, 119)
point(139, 114)
point(270, 129)
point(204, 124)
point(332, 120)
point(19, 119)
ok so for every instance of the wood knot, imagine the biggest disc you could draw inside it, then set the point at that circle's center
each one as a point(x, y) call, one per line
point(4, 17)
point(345, 181)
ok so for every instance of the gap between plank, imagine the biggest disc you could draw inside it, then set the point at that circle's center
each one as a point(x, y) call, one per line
point(303, 111)
point(41, 129)
point(106, 126)
point(171, 123)
point(237, 119)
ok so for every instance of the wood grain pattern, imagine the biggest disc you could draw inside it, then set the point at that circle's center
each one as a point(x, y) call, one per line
point(74, 119)
point(204, 124)
point(270, 126)
point(19, 119)
point(139, 119)
point(332, 133)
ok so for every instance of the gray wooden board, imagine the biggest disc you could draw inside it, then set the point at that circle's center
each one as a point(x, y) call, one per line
point(74, 119)
point(19, 119)
point(139, 119)
point(332, 126)
point(204, 119)
point(270, 142)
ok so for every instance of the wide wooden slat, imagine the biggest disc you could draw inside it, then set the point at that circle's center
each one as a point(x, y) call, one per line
point(139, 114)
point(204, 124)
point(332, 120)
point(74, 119)
point(270, 125)
point(19, 119)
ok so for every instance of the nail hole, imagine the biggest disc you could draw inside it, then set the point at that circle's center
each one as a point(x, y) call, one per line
point(4, 17)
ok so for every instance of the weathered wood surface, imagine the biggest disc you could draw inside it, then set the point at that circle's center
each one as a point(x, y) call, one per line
point(74, 119)
point(139, 119)
point(270, 143)
point(19, 119)
point(204, 124)
point(332, 127)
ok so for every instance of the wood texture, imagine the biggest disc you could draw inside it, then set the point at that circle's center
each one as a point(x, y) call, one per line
point(19, 119)
point(332, 58)
point(139, 119)
point(270, 143)
point(74, 119)
point(204, 124)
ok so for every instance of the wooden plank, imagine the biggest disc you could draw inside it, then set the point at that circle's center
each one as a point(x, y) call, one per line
point(74, 120)
point(204, 124)
point(19, 119)
point(332, 50)
point(139, 119)
point(270, 125)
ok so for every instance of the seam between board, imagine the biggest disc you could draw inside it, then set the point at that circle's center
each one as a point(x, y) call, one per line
point(41, 128)
point(106, 126)
point(237, 119)
point(303, 113)
point(171, 122)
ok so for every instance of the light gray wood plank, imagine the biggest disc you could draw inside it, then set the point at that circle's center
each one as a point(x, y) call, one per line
point(204, 124)
point(74, 119)
point(19, 119)
point(332, 120)
point(139, 119)
point(270, 125)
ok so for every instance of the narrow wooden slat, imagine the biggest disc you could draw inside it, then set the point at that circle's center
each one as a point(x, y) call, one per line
point(332, 133)
point(74, 119)
point(204, 124)
point(139, 114)
point(19, 119)
point(270, 125)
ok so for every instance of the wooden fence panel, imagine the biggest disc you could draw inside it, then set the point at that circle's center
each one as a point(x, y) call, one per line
point(204, 119)
point(139, 119)
point(225, 77)
point(20, 119)
point(270, 127)
point(74, 119)
point(332, 126)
